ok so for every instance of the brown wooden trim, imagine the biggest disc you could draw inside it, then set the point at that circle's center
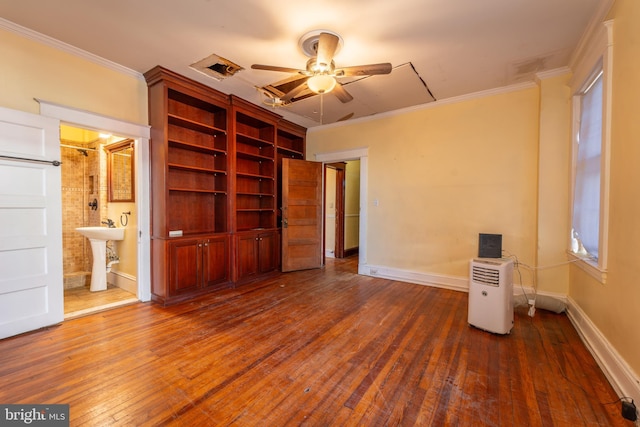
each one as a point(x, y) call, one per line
point(111, 149)
point(351, 251)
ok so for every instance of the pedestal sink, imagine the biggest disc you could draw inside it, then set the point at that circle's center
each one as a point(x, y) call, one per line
point(98, 237)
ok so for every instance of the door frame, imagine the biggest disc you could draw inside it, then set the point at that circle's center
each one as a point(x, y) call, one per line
point(338, 232)
point(361, 154)
point(141, 135)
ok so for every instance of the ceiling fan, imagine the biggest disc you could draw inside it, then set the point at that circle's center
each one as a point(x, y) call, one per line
point(320, 74)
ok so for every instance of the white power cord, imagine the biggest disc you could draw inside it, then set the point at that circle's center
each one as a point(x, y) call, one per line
point(532, 307)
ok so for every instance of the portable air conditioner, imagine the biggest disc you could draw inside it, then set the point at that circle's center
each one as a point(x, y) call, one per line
point(491, 294)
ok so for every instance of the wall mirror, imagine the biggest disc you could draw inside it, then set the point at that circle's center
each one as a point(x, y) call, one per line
point(120, 173)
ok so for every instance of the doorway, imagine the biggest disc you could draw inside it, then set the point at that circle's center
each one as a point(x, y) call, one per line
point(334, 184)
point(87, 184)
point(342, 208)
point(137, 252)
point(361, 154)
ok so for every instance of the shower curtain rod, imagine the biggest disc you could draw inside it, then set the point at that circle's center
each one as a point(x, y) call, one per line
point(77, 147)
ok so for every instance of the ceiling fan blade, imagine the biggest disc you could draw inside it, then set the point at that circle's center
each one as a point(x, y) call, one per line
point(327, 45)
point(347, 117)
point(341, 93)
point(364, 70)
point(276, 68)
point(270, 91)
point(296, 90)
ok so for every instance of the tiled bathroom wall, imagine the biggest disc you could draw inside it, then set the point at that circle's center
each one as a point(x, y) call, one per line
point(82, 180)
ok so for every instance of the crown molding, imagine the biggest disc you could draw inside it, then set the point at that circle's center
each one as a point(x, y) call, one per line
point(543, 75)
point(65, 47)
point(591, 31)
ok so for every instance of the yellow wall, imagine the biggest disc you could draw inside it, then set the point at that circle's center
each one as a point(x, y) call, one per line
point(614, 306)
point(554, 194)
point(29, 70)
point(441, 175)
point(126, 249)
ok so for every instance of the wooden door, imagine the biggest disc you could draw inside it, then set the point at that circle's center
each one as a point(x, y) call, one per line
point(31, 289)
point(301, 215)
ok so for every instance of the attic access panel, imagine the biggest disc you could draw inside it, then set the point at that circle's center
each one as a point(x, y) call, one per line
point(217, 67)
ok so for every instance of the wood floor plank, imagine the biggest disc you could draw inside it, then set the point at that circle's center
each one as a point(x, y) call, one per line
point(318, 348)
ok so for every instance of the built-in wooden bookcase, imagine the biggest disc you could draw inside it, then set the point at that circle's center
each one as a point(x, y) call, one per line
point(254, 187)
point(189, 157)
point(215, 199)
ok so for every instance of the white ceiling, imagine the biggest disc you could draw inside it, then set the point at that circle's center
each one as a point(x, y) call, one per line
point(455, 47)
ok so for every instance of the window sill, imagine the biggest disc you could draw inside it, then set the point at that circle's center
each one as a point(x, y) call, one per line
point(589, 266)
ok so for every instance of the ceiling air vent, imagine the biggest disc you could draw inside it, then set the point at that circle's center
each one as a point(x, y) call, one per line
point(217, 67)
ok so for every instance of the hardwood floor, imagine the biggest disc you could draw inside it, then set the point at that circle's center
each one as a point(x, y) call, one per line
point(317, 348)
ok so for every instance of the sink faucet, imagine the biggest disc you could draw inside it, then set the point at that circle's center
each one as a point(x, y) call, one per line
point(109, 223)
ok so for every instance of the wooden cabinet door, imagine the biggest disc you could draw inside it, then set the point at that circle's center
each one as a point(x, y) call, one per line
point(247, 255)
point(184, 269)
point(267, 252)
point(215, 261)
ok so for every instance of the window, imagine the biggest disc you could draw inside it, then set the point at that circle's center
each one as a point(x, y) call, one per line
point(591, 85)
point(590, 212)
point(587, 181)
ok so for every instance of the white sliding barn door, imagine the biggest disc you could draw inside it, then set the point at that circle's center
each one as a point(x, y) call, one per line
point(31, 288)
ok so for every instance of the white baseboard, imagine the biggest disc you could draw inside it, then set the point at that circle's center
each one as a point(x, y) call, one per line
point(124, 281)
point(441, 281)
point(622, 378)
point(435, 280)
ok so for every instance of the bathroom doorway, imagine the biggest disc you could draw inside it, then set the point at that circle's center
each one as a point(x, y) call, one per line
point(89, 173)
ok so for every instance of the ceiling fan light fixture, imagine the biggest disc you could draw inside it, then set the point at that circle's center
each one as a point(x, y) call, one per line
point(321, 83)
